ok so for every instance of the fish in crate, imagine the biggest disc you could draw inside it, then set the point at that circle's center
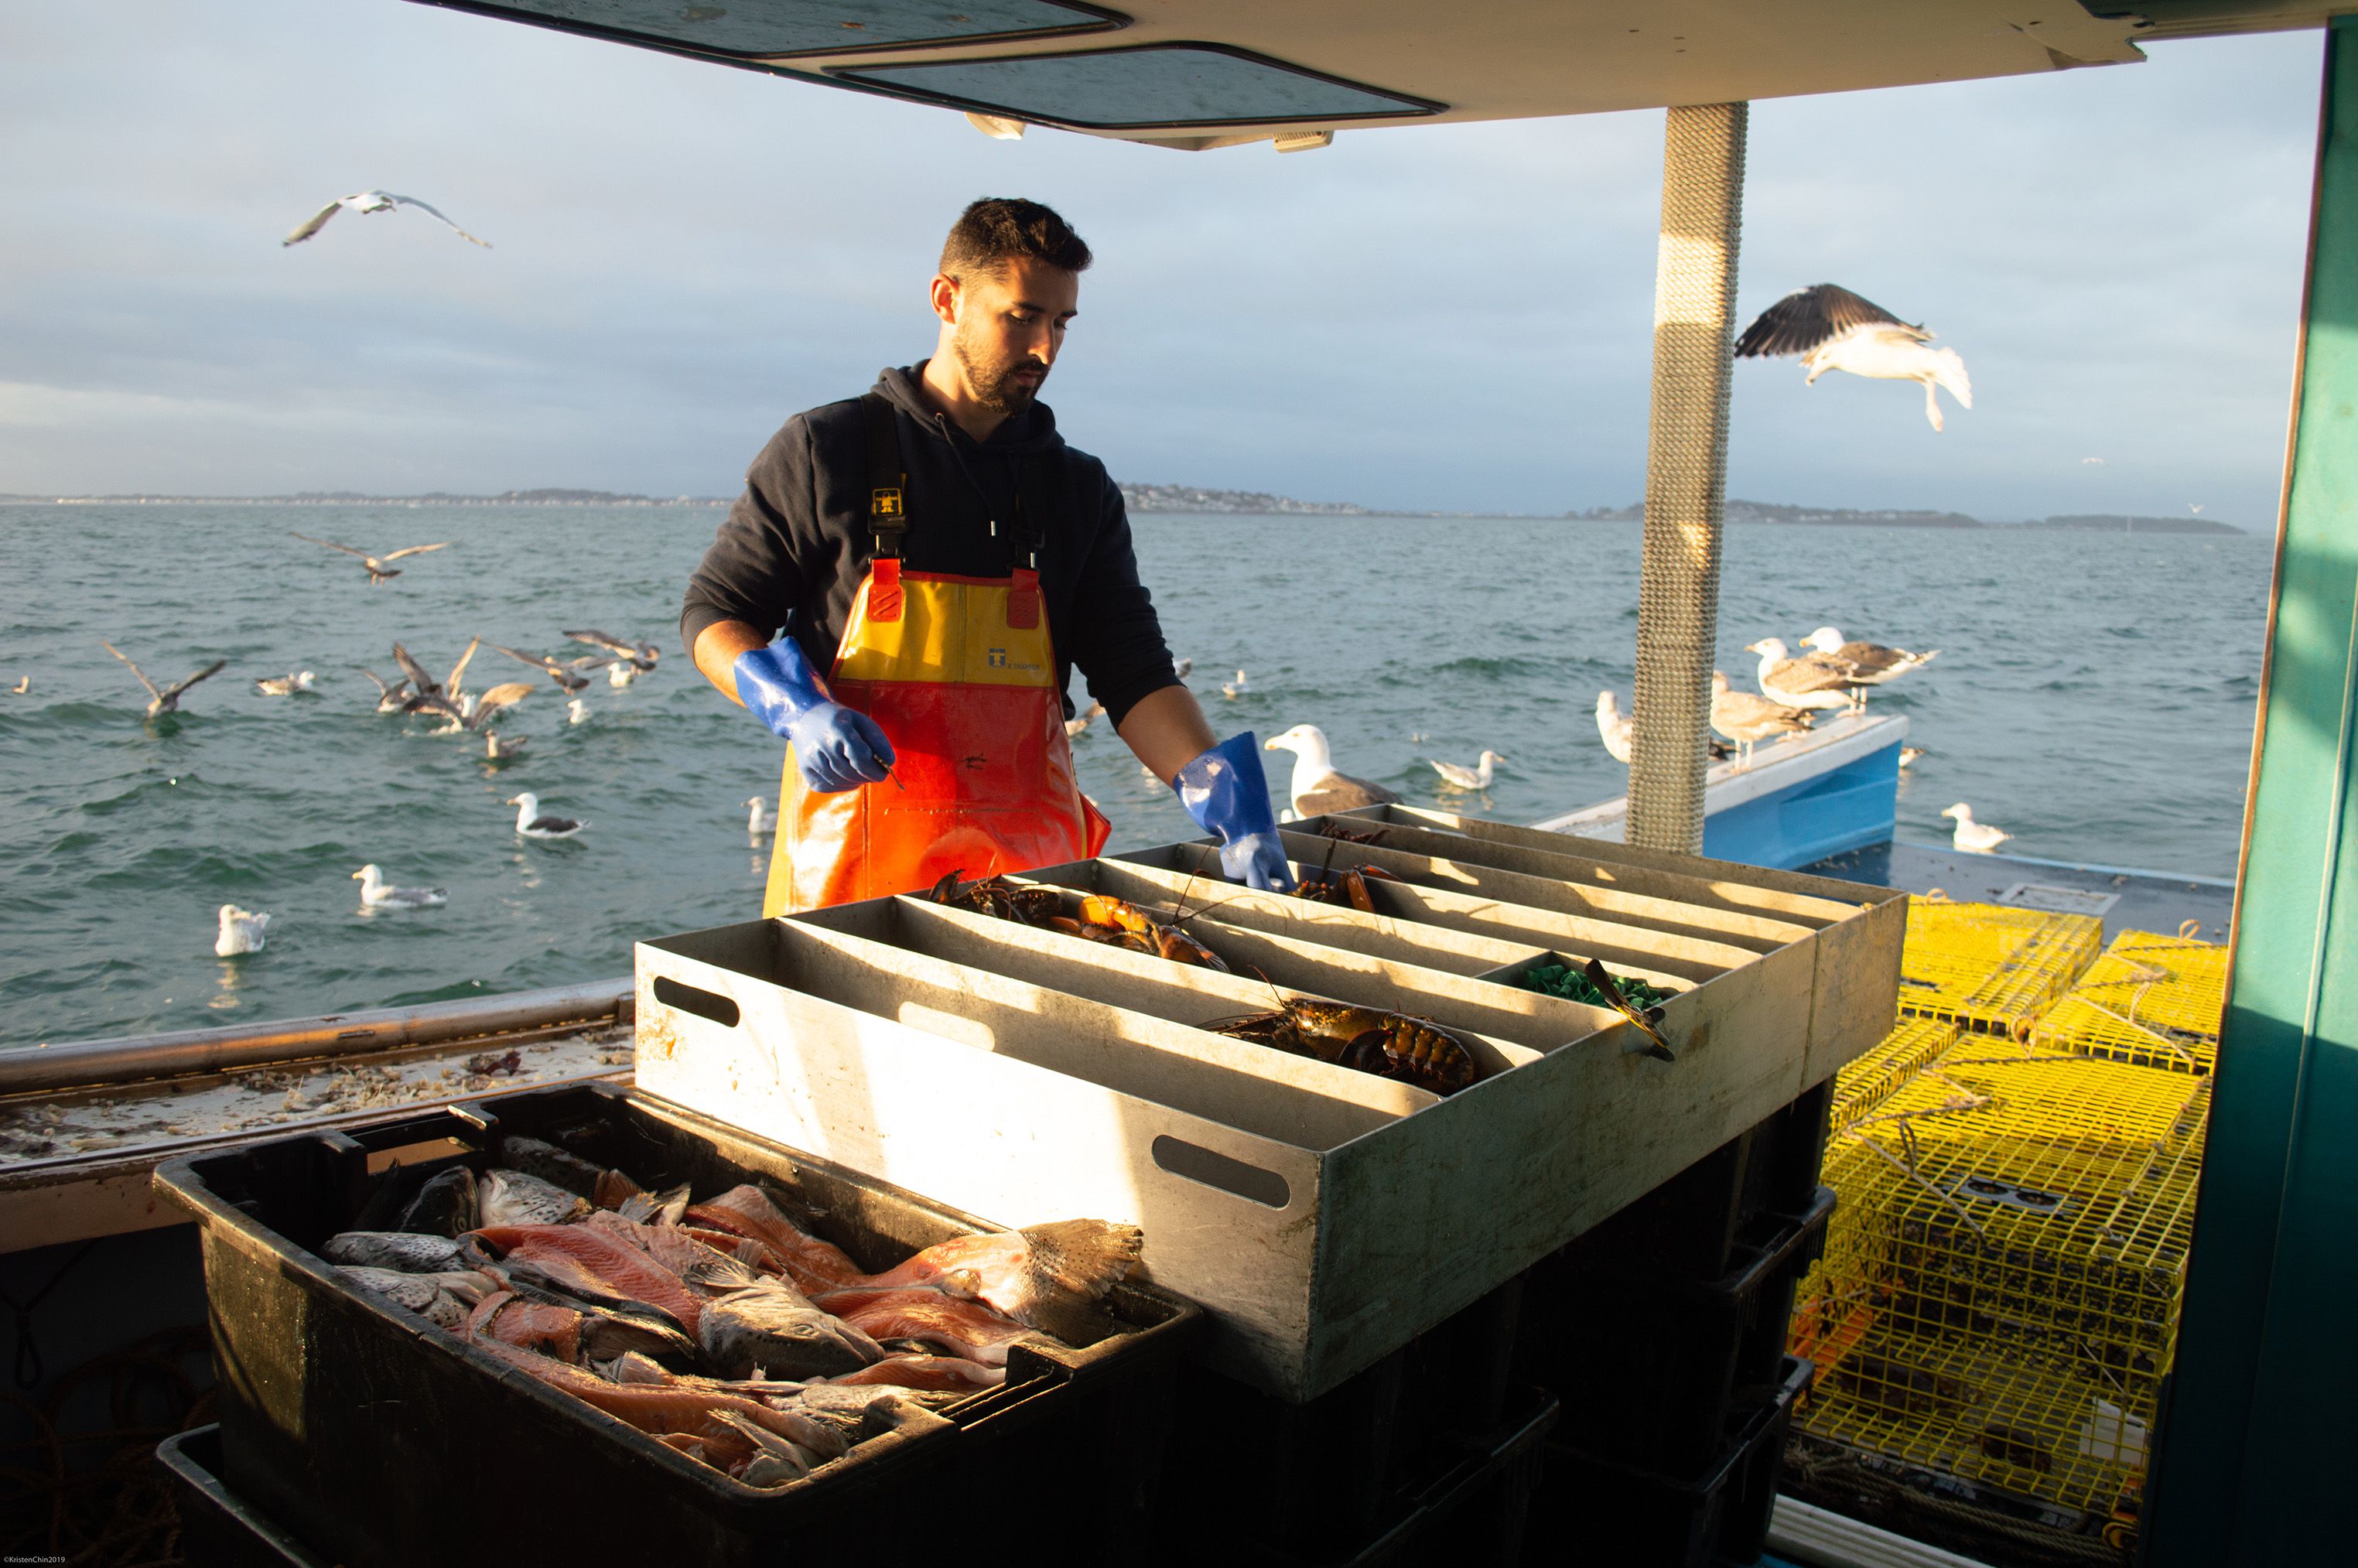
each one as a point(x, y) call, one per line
point(724, 1328)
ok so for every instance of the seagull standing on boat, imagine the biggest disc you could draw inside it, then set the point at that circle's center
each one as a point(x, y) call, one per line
point(369, 202)
point(1810, 681)
point(377, 570)
point(1874, 663)
point(534, 824)
point(168, 700)
point(1974, 837)
point(761, 818)
point(1745, 718)
point(241, 931)
point(1833, 328)
point(377, 893)
point(1474, 778)
point(285, 685)
point(1613, 727)
point(1317, 788)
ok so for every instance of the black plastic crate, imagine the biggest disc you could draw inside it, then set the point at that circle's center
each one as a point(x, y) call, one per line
point(385, 1441)
point(1318, 1481)
point(1617, 1514)
point(1692, 1225)
point(218, 1529)
point(1668, 1369)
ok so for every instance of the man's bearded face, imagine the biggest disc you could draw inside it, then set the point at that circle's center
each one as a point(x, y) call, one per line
point(1009, 327)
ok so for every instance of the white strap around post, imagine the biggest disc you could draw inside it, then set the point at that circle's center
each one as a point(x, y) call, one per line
point(1686, 472)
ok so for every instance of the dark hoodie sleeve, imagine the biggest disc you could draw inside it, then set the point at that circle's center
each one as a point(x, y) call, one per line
point(1116, 640)
point(762, 562)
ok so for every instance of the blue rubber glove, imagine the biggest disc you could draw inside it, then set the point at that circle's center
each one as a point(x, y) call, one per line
point(835, 748)
point(1225, 793)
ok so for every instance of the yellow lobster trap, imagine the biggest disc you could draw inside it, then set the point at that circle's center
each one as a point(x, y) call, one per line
point(2153, 1001)
point(1998, 1298)
point(1990, 967)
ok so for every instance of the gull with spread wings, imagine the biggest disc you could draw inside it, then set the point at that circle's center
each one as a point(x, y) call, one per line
point(377, 570)
point(568, 676)
point(370, 201)
point(638, 655)
point(1833, 328)
point(168, 700)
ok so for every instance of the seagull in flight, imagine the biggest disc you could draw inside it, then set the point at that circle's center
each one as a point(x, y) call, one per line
point(569, 679)
point(370, 201)
point(377, 570)
point(640, 656)
point(390, 698)
point(168, 700)
point(431, 693)
point(1833, 328)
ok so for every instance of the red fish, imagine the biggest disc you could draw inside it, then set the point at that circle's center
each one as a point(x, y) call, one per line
point(747, 1211)
point(965, 1328)
point(627, 1269)
point(952, 1373)
point(1053, 1277)
point(530, 1326)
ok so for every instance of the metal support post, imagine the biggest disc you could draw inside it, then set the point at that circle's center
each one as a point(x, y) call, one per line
point(1686, 472)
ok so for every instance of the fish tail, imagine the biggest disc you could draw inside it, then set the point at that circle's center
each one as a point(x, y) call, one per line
point(1069, 1268)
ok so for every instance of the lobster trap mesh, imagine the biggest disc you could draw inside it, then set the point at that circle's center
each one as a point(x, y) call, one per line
point(1998, 1299)
point(2152, 1000)
point(1990, 967)
point(1870, 1079)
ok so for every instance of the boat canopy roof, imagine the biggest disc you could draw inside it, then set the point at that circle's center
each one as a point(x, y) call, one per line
point(1205, 73)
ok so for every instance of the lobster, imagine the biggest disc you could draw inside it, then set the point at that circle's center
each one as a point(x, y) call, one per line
point(1396, 1046)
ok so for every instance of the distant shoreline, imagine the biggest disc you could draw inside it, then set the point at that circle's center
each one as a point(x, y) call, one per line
point(1175, 500)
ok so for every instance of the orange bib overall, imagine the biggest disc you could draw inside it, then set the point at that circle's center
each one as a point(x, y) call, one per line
point(960, 674)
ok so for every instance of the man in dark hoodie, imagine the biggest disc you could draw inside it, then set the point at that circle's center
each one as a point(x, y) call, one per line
point(946, 559)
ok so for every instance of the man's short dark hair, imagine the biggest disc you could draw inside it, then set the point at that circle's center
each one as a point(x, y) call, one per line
point(997, 230)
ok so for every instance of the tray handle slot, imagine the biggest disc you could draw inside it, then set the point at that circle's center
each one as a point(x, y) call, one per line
point(1210, 1168)
point(710, 1006)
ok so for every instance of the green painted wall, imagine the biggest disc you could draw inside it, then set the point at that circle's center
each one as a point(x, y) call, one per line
point(2258, 1448)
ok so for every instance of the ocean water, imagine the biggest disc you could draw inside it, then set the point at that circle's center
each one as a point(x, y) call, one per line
point(2094, 697)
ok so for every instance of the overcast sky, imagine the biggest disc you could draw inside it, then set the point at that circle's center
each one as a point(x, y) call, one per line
point(1452, 318)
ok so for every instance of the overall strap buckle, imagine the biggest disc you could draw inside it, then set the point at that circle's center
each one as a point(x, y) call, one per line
point(888, 519)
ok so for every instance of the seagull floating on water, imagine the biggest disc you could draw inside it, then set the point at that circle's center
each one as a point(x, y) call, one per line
point(1975, 838)
point(1457, 777)
point(168, 700)
point(622, 672)
point(533, 824)
point(376, 894)
point(1810, 681)
point(377, 570)
point(640, 656)
point(761, 818)
point(1833, 328)
point(498, 750)
point(1910, 755)
point(1317, 788)
point(285, 686)
point(369, 202)
point(1181, 666)
point(576, 712)
point(241, 931)
point(1613, 727)
point(1073, 727)
point(1235, 688)
point(1745, 718)
point(1874, 663)
point(24, 685)
point(392, 698)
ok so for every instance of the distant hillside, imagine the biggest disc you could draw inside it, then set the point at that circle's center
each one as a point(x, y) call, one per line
point(2102, 523)
point(1843, 516)
point(1189, 498)
point(353, 498)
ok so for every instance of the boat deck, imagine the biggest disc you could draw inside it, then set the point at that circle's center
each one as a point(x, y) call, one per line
point(2127, 900)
